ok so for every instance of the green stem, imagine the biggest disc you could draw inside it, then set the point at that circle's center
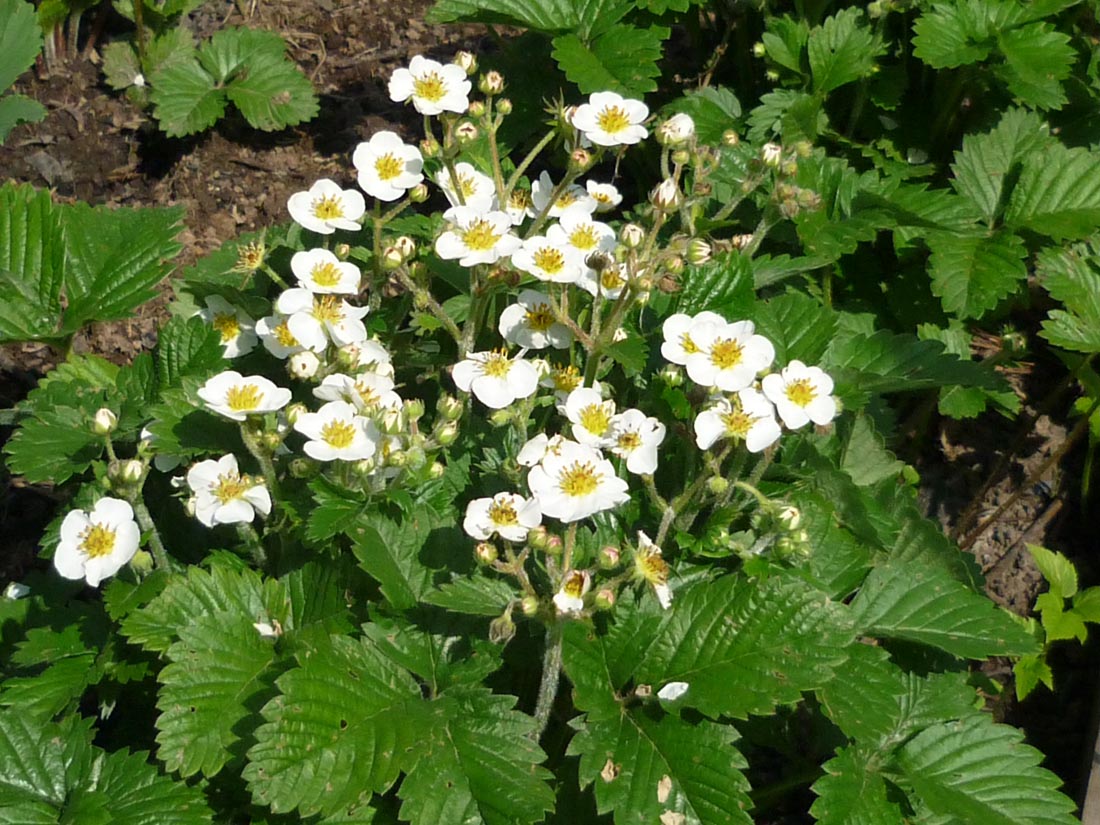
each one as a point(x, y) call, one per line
point(551, 677)
point(434, 307)
point(525, 163)
point(247, 534)
point(263, 458)
point(145, 521)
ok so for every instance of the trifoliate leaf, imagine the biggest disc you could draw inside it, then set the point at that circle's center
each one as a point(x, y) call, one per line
point(1037, 60)
point(766, 642)
point(20, 40)
point(1056, 569)
point(1072, 276)
point(346, 722)
point(785, 41)
point(185, 98)
point(481, 751)
point(798, 326)
point(841, 50)
point(724, 285)
point(57, 442)
point(907, 600)
point(947, 36)
point(16, 109)
point(1058, 193)
point(390, 552)
point(975, 770)
point(987, 162)
point(631, 353)
point(850, 794)
point(971, 274)
point(232, 48)
point(272, 93)
point(32, 263)
point(623, 59)
point(476, 595)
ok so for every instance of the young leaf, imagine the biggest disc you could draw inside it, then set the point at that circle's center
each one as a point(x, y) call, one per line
point(1056, 569)
point(785, 41)
point(185, 98)
point(1058, 193)
point(623, 59)
point(975, 770)
point(272, 93)
point(906, 600)
point(850, 794)
point(32, 263)
point(1072, 276)
point(971, 274)
point(1028, 672)
point(482, 752)
point(841, 49)
point(235, 47)
point(1037, 59)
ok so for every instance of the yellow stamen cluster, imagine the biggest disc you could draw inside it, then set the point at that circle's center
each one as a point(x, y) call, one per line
point(430, 87)
point(584, 237)
point(250, 257)
point(230, 487)
point(595, 418)
point(481, 236)
point(800, 392)
point(338, 434)
point(227, 325)
point(497, 364)
point(325, 275)
point(612, 119)
point(540, 317)
point(284, 336)
point(328, 308)
point(97, 540)
point(737, 423)
point(243, 397)
point(388, 166)
point(579, 479)
point(549, 260)
point(327, 207)
point(726, 353)
point(503, 513)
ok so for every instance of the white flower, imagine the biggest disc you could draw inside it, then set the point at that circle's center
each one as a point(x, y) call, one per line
point(277, 337)
point(750, 417)
point(314, 319)
point(373, 357)
point(495, 379)
point(387, 166)
point(268, 630)
point(537, 448)
point(477, 189)
point(609, 282)
point(676, 130)
point(636, 437)
point(507, 514)
point(321, 272)
point(15, 591)
point(223, 495)
point(433, 87)
point(237, 396)
point(530, 323)
point(326, 207)
point(590, 415)
point(677, 329)
point(570, 597)
point(519, 205)
point(562, 380)
point(576, 482)
point(95, 545)
point(606, 196)
point(235, 326)
point(369, 392)
point(730, 356)
point(801, 394)
point(548, 260)
point(651, 567)
point(303, 365)
point(672, 691)
point(576, 229)
point(138, 80)
point(476, 237)
point(608, 119)
point(337, 431)
point(572, 196)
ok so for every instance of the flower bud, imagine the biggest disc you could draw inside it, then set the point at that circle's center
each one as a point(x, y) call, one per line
point(676, 131)
point(631, 235)
point(419, 193)
point(730, 138)
point(294, 412)
point(666, 196)
point(406, 246)
point(681, 157)
point(485, 553)
point(415, 457)
point(699, 251)
point(392, 258)
point(364, 467)
point(580, 160)
point(302, 468)
point(491, 83)
point(189, 507)
point(15, 591)
point(529, 606)
point(502, 629)
point(772, 76)
point(717, 485)
point(447, 434)
point(504, 106)
point(396, 458)
point(449, 407)
point(501, 418)
point(130, 472)
point(436, 470)
point(741, 241)
point(537, 537)
point(605, 599)
point(609, 557)
point(414, 409)
point(554, 545)
point(342, 251)
point(272, 441)
point(789, 518)
point(465, 61)
point(675, 265)
point(430, 148)
point(672, 375)
point(758, 49)
point(771, 154)
point(141, 563)
point(303, 365)
point(104, 422)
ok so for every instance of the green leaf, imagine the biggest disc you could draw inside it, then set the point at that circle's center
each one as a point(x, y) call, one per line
point(1087, 604)
point(1058, 193)
point(32, 264)
point(975, 770)
point(798, 326)
point(476, 595)
point(541, 15)
point(481, 751)
point(955, 35)
point(272, 93)
point(1056, 569)
point(909, 600)
point(120, 64)
point(51, 773)
point(1037, 59)
point(16, 109)
point(764, 643)
point(216, 672)
point(987, 164)
point(1072, 276)
point(57, 444)
point(116, 259)
point(390, 552)
point(185, 98)
point(841, 50)
point(785, 41)
point(20, 40)
point(787, 114)
point(1029, 672)
point(186, 347)
point(850, 794)
point(865, 457)
point(50, 691)
point(232, 48)
point(346, 722)
point(176, 45)
point(971, 274)
point(724, 285)
point(440, 659)
point(623, 59)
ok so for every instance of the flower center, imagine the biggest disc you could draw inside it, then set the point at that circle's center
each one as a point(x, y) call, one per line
point(503, 513)
point(249, 257)
point(628, 441)
point(325, 275)
point(328, 207)
point(388, 166)
point(97, 540)
point(725, 353)
point(579, 479)
point(549, 260)
point(227, 325)
point(519, 199)
point(540, 317)
point(612, 279)
point(584, 237)
point(496, 365)
point(612, 119)
point(367, 394)
point(338, 434)
point(481, 236)
point(284, 336)
point(687, 345)
point(327, 309)
point(800, 392)
point(595, 419)
point(230, 487)
point(574, 585)
point(430, 87)
point(566, 379)
point(243, 397)
point(601, 197)
point(565, 199)
point(654, 568)
point(737, 423)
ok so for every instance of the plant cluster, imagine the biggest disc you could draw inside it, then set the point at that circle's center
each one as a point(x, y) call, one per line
point(512, 490)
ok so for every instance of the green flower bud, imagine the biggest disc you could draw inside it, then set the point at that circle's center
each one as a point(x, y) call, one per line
point(447, 433)
point(717, 485)
point(449, 407)
point(491, 83)
point(419, 193)
point(142, 563)
point(609, 557)
point(504, 106)
point(502, 629)
point(529, 606)
point(485, 553)
point(605, 599)
point(104, 422)
point(465, 61)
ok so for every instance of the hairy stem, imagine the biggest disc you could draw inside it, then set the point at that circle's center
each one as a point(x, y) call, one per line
point(145, 521)
point(551, 678)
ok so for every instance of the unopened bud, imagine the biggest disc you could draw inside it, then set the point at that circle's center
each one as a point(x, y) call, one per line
point(294, 412)
point(446, 434)
point(609, 557)
point(130, 472)
point(758, 49)
point(303, 365)
point(342, 251)
point(416, 457)
point(537, 537)
point(771, 154)
point(675, 265)
point(672, 375)
point(501, 418)
point(605, 599)
point(504, 106)
point(485, 553)
point(631, 235)
point(430, 148)
point(414, 409)
point(392, 258)
point(676, 131)
point(771, 76)
point(189, 507)
point(465, 61)
point(141, 563)
point(419, 193)
point(717, 485)
point(397, 458)
point(502, 629)
point(491, 83)
point(436, 470)
point(699, 251)
point(104, 422)
point(789, 518)
point(730, 138)
point(580, 160)
point(271, 441)
point(364, 467)
point(554, 545)
point(789, 167)
point(666, 196)
point(803, 148)
point(302, 468)
point(449, 407)
point(681, 156)
point(529, 606)
point(406, 246)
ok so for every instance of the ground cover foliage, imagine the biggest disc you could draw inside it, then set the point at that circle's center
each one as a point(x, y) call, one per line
point(551, 480)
